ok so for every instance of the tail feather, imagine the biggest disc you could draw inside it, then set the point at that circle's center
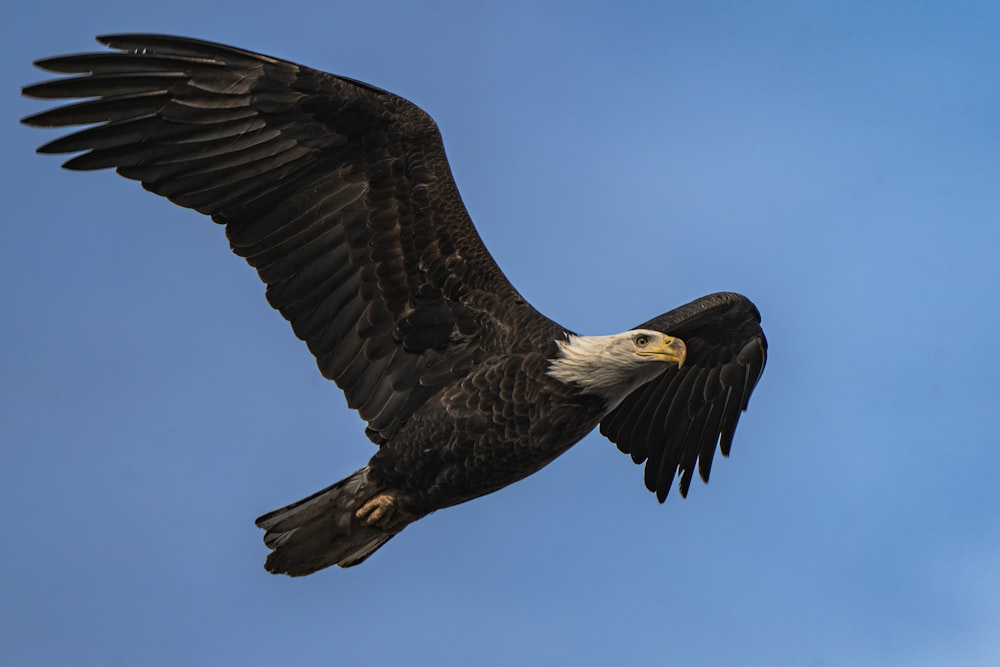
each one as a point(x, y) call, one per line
point(321, 530)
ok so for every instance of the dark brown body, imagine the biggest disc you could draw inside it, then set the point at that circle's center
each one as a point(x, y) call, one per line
point(501, 423)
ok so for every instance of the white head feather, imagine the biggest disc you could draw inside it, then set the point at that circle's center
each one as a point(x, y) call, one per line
point(613, 366)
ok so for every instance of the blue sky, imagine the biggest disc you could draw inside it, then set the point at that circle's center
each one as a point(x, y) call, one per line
point(837, 162)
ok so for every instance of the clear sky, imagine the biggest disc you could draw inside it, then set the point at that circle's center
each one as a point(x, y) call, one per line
point(837, 162)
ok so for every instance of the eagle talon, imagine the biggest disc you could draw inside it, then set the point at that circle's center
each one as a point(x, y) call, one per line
point(378, 510)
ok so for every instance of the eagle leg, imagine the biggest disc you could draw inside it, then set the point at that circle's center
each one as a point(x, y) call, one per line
point(379, 509)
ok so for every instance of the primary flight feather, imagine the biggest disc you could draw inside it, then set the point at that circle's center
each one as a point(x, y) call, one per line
point(339, 194)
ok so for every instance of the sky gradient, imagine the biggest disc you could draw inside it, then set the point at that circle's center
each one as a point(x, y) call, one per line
point(836, 162)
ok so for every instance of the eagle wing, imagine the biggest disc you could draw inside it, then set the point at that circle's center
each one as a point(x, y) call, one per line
point(678, 419)
point(338, 193)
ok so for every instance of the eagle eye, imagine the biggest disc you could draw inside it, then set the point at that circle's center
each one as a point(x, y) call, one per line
point(642, 340)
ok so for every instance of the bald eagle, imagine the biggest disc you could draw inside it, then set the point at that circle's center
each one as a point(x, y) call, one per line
point(339, 194)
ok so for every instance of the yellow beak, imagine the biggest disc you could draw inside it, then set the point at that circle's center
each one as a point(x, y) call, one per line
point(668, 349)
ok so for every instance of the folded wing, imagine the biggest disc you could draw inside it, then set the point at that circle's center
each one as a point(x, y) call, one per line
point(675, 422)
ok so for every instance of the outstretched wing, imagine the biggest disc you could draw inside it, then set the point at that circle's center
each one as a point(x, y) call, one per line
point(337, 192)
point(678, 418)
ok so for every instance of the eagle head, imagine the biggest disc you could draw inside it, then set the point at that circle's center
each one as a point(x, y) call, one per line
point(613, 366)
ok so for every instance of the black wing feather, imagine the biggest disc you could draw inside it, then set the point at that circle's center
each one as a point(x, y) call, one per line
point(337, 192)
point(696, 407)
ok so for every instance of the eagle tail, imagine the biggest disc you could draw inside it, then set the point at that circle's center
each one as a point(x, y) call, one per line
point(322, 530)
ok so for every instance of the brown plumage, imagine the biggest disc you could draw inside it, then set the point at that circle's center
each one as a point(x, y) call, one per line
point(339, 194)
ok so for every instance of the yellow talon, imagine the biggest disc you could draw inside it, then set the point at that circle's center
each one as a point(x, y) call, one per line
point(379, 509)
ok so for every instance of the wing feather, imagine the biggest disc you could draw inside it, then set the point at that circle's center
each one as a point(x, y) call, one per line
point(337, 192)
point(675, 422)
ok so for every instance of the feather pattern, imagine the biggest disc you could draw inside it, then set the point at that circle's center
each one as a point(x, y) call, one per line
point(337, 192)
